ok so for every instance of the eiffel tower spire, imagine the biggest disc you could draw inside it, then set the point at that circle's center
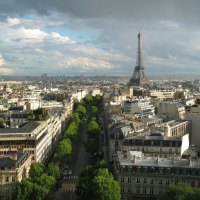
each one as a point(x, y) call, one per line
point(139, 77)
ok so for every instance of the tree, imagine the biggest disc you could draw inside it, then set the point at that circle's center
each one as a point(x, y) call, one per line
point(75, 118)
point(88, 99)
point(93, 111)
point(98, 184)
point(36, 170)
point(93, 127)
point(47, 182)
point(39, 193)
point(40, 114)
point(91, 145)
point(105, 187)
point(64, 149)
point(71, 131)
point(2, 123)
point(81, 111)
point(54, 171)
point(180, 191)
point(24, 189)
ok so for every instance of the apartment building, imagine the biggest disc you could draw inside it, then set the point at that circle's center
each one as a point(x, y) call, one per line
point(13, 167)
point(140, 107)
point(37, 138)
point(144, 177)
point(154, 144)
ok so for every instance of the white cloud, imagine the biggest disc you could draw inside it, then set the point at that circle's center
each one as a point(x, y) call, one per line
point(85, 63)
point(5, 71)
point(32, 34)
point(57, 37)
point(1, 60)
point(169, 23)
point(13, 21)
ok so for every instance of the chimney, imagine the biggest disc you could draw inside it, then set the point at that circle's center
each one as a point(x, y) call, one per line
point(13, 156)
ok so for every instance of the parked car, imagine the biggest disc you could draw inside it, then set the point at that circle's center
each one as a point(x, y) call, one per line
point(69, 172)
point(65, 172)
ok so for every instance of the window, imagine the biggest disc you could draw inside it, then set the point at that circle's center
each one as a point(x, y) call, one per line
point(7, 179)
point(138, 190)
point(160, 181)
point(7, 190)
point(176, 181)
point(122, 179)
point(145, 181)
point(137, 180)
point(167, 182)
point(160, 192)
point(151, 181)
point(151, 191)
point(129, 179)
point(192, 183)
point(13, 179)
point(144, 190)
point(7, 198)
point(129, 189)
point(122, 189)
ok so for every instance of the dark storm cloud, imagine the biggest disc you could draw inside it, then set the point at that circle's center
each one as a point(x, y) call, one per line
point(183, 10)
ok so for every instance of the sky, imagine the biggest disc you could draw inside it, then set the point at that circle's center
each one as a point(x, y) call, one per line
point(98, 37)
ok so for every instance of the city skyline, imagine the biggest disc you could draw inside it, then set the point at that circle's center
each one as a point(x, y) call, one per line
point(98, 37)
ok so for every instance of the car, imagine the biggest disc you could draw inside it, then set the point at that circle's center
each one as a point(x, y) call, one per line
point(69, 172)
point(65, 172)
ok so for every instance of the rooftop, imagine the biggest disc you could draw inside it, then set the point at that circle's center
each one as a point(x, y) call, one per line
point(24, 128)
point(135, 158)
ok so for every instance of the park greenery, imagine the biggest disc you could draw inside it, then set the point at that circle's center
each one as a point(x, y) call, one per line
point(95, 182)
point(182, 191)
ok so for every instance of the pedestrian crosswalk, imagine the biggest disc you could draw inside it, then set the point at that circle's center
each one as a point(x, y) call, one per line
point(70, 177)
point(69, 189)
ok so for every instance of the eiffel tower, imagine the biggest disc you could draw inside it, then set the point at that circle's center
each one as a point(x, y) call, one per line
point(139, 77)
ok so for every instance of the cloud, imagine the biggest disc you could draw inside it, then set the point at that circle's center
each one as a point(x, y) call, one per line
point(1, 60)
point(95, 36)
point(13, 21)
point(85, 63)
point(169, 23)
point(5, 71)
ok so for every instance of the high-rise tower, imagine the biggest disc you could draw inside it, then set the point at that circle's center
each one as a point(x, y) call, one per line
point(139, 77)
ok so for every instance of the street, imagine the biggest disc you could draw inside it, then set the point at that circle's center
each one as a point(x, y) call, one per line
point(79, 159)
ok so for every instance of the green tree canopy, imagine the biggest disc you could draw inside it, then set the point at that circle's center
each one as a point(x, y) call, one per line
point(81, 111)
point(24, 189)
point(54, 171)
point(180, 191)
point(93, 111)
point(88, 99)
point(2, 122)
point(64, 149)
point(91, 145)
point(98, 184)
point(75, 118)
point(47, 181)
point(93, 127)
point(36, 170)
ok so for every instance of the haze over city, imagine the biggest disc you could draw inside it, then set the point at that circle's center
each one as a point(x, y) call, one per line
point(94, 37)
